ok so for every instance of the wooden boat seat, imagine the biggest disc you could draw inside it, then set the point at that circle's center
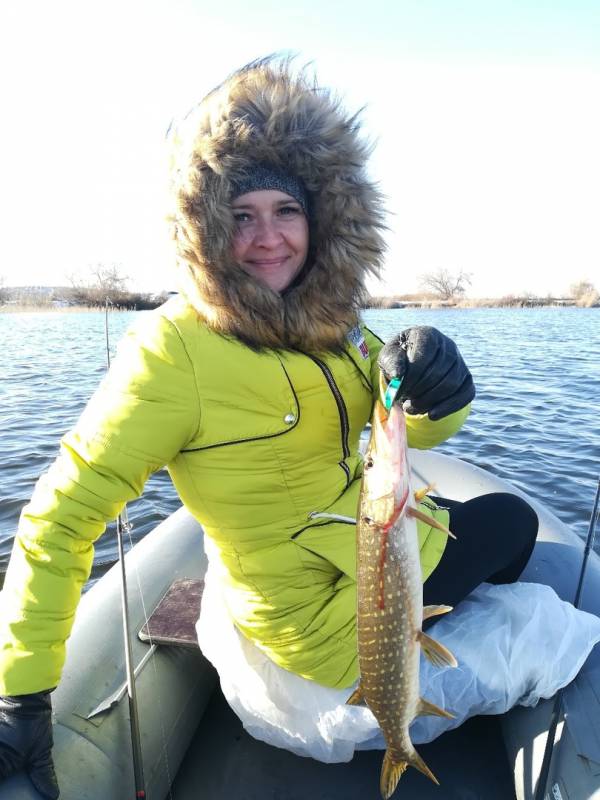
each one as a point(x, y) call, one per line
point(173, 621)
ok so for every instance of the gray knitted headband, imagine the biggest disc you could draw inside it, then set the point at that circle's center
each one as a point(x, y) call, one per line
point(260, 176)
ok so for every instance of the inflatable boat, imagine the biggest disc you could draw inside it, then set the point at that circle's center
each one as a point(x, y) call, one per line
point(193, 746)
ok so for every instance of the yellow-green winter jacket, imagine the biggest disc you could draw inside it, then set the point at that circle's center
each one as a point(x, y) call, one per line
point(255, 442)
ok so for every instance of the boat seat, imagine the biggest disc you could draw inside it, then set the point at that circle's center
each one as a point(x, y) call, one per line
point(173, 621)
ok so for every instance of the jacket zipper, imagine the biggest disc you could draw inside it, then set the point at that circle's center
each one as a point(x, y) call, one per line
point(342, 411)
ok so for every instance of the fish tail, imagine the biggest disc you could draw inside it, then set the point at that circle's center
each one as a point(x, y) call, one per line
point(391, 771)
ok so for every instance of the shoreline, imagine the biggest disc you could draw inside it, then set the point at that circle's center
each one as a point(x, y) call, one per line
point(386, 303)
point(373, 303)
point(49, 309)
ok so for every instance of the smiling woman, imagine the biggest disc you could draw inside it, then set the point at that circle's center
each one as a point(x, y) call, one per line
point(270, 242)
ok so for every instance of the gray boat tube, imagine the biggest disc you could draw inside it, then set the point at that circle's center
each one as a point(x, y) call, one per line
point(93, 756)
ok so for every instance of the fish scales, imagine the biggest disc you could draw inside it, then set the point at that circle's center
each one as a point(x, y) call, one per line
point(390, 598)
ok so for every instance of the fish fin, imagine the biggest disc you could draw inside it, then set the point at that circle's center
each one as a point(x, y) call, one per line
point(356, 698)
point(391, 772)
point(425, 707)
point(429, 520)
point(421, 493)
point(436, 652)
point(433, 611)
point(417, 762)
point(390, 775)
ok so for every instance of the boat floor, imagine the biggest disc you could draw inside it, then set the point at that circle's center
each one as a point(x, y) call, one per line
point(223, 761)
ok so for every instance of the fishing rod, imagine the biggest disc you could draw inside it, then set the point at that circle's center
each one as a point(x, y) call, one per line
point(124, 526)
point(556, 711)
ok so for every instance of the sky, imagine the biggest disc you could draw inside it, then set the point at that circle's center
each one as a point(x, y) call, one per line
point(484, 115)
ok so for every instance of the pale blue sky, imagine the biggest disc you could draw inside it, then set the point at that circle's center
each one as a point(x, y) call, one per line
point(486, 118)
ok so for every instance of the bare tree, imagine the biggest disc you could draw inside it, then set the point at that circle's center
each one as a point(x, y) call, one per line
point(585, 294)
point(3, 292)
point(447, 285)
point(108, 278)
point(581, 289)
point(98, 283)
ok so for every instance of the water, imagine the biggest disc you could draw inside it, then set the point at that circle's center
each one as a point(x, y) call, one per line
point(535, 421)
point(52, 363)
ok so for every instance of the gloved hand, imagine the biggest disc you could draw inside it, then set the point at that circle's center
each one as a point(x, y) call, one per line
point(436, 380)
point(26, 740)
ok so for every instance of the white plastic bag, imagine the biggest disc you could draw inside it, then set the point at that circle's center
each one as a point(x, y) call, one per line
point(514, 644)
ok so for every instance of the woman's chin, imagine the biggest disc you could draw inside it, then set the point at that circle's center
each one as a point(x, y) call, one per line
point(276, 281)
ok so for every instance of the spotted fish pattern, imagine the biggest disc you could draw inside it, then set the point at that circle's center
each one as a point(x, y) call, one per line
point(390, 598)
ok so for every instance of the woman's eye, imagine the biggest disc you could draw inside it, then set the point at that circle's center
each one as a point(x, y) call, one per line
point(289, 210)
point(241, 216)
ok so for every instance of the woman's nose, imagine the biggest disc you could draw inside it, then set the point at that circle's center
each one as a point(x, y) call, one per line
point(267, 233)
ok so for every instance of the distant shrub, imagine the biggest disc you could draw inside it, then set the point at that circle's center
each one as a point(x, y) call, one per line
point(30, 297)
point(523, 301)
point(400, 300)
point(589, 300)
point(77, 298)
point(383, 302)
point(101, 283)
point(582, 289)
point(97, 297)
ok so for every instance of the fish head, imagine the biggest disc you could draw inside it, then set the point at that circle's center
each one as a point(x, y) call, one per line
point(386, 477)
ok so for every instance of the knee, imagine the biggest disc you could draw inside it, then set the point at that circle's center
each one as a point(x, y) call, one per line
point(521, 517)
point(521, 522)
point(509, 516)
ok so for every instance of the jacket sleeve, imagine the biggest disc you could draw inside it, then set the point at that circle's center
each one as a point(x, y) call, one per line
point(141, 416)
point(422, 432)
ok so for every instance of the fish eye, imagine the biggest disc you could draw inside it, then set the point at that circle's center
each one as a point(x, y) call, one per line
point(367, 520)
point(368, 463)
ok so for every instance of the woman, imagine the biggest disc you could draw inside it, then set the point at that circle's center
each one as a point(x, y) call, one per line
point(253, 387)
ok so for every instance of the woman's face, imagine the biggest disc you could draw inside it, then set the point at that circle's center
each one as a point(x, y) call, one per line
point(270, 242)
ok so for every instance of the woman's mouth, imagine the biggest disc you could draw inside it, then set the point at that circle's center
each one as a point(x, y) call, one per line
point(268, 262)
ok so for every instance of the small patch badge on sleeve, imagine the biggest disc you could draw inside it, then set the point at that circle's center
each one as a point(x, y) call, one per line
point(355, 337)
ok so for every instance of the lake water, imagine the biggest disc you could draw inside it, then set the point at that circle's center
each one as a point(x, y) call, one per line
point(535, 421)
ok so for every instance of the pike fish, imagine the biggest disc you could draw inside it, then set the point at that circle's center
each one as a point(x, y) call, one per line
point(390, 598)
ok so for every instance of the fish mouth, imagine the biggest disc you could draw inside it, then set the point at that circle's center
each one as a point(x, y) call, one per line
point(385, 465)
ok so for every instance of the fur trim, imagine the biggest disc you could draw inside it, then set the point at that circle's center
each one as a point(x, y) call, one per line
point(265, 113)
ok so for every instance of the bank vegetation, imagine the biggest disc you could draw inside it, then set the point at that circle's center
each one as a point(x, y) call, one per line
point(93, 289)
point(443, 289)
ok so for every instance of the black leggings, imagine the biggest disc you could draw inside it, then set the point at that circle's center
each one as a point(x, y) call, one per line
point(495, 534)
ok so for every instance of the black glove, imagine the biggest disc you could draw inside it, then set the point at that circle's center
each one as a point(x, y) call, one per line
point(26, 740)
point(436, 380)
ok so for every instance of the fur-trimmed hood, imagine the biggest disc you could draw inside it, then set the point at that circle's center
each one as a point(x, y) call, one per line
point(267, 114)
